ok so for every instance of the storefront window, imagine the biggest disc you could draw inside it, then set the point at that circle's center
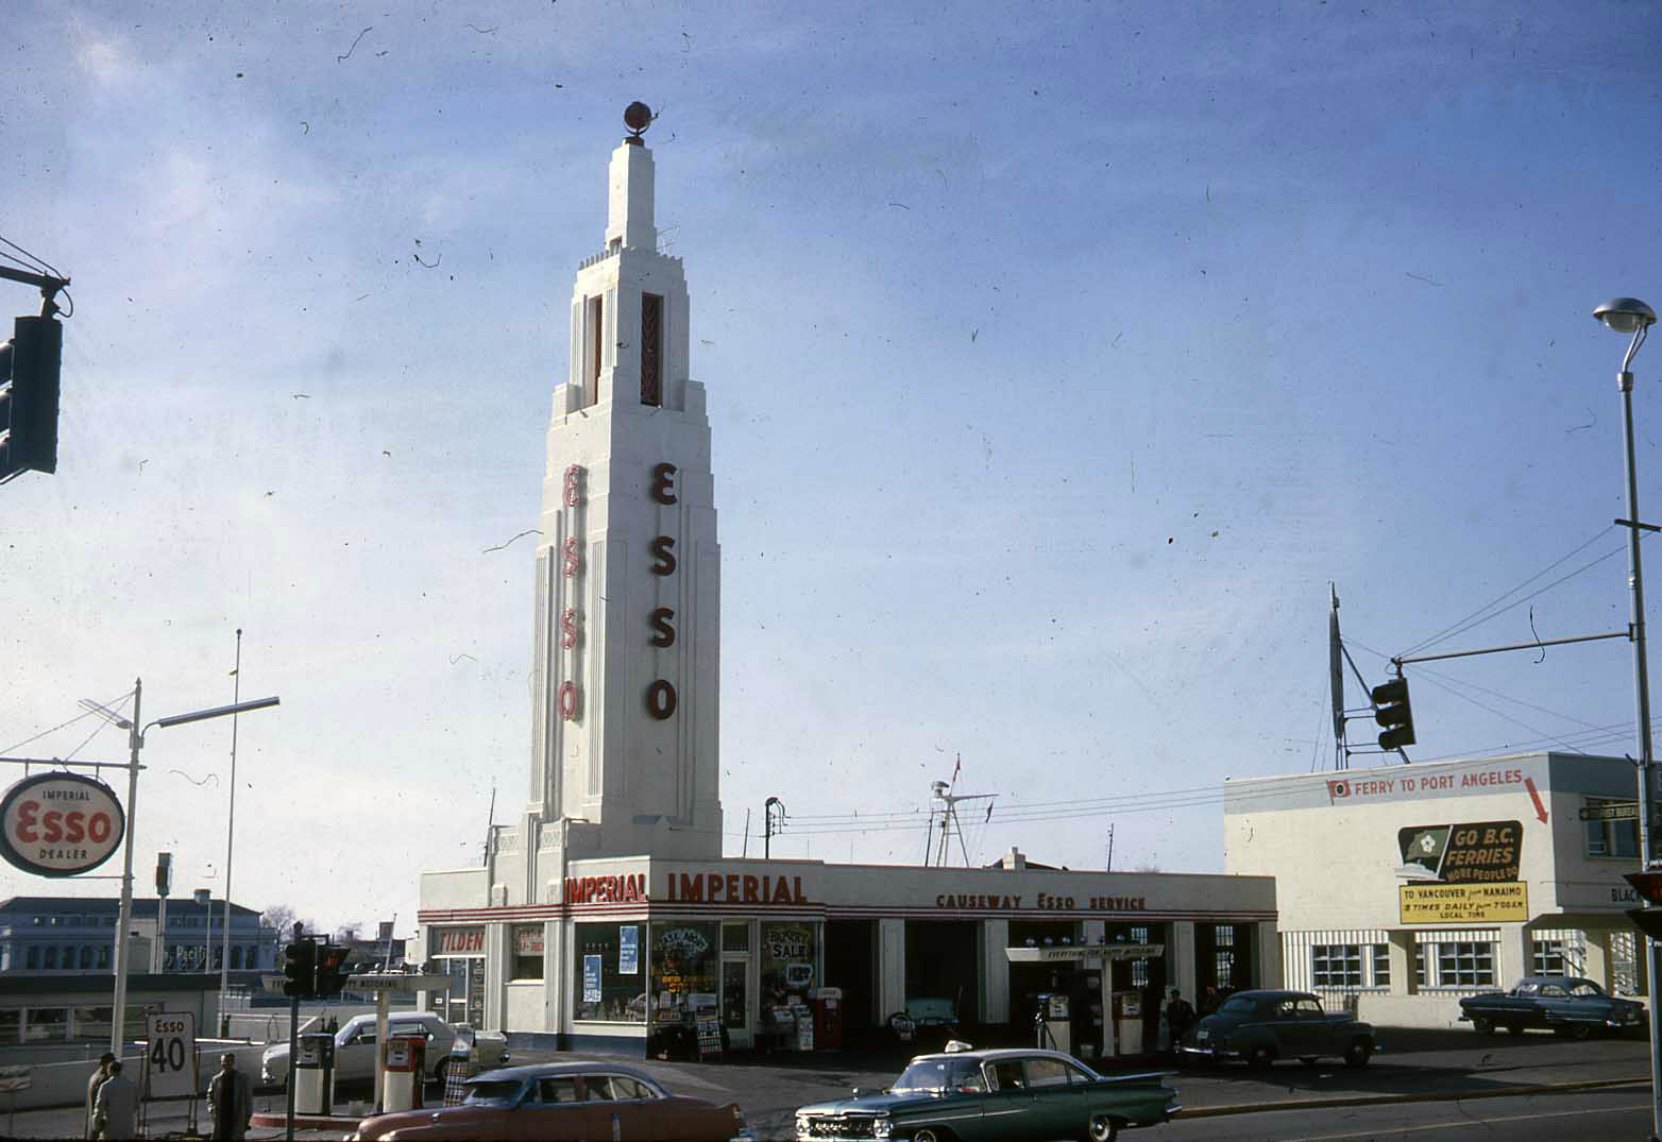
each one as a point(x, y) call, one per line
point(93, 1023)
point(527, 944)
point(608, 981)
point(46, 1024)
point(1336, 965)
point(735, 936)
point(1619, 838)
point(789, 952)
point(684, 959)
point(1465, 964)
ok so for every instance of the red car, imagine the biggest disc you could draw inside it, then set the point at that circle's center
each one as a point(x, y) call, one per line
point(564, 1102)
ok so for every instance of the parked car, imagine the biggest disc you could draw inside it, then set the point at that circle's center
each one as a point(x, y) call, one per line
point(996, 1096)
point(355, 1049)
point(1575, 1007)
point(1263, 1026)
point(564, 1102)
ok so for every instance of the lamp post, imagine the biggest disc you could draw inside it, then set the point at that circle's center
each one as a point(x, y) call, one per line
point(1630, 315)
point(124, 921)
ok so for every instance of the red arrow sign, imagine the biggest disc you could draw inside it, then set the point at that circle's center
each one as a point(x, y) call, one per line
point(1535, 796)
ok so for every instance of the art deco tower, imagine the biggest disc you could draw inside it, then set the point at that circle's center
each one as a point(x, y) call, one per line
point(628, 623)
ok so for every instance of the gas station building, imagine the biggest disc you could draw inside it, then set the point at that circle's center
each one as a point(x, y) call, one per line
point(606, 916)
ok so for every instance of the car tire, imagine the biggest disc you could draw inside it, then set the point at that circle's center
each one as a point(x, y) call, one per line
point(1307, 1060)
point(1260, 1058)
point(1102, 1128)
point(1358, 1053)
point(1483, 1025)
point(930, 1134)
point(1515, 1028)
point(1580, 1031)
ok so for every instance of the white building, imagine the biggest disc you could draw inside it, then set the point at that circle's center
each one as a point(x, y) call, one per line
point(1408, 886)
point(607, 911)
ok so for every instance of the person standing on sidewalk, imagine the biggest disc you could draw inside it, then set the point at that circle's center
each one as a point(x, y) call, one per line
point(115, 1109)
point(231, 1101)
point(94, 1081)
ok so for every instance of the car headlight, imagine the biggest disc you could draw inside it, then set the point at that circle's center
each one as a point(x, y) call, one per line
point(880, 1126)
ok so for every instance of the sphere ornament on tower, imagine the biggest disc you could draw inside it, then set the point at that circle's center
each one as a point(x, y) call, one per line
point(637, 117)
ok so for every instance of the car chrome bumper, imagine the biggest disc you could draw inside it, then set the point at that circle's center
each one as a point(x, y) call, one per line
point(1209, 1052)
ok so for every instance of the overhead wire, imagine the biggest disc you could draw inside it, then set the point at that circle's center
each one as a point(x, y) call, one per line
point(1478, 617)
point(114, 703)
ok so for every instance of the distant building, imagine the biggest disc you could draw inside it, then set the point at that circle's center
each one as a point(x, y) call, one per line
point(384, 952)
point(62, 934)
point(1403, 887)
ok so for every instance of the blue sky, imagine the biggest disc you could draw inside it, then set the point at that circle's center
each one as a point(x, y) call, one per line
point(1058, 358)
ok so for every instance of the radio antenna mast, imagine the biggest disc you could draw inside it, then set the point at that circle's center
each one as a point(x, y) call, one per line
point(942, 793)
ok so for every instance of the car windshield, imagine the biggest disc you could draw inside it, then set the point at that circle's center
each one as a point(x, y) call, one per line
point(934, 1076)
point(497, 1092)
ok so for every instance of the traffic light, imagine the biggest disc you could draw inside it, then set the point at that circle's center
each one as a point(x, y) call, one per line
point(300, 970)
point(1391, 710)
point(331, 970)
point(1648, 885)
point(31, 362)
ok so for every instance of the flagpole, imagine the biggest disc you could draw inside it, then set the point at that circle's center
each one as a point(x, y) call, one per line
point(230, 834)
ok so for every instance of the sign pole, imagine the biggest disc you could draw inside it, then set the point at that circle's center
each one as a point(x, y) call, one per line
point(124, 918)
point(294, 1059)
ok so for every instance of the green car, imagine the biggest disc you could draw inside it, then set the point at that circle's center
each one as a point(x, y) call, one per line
point(1263, 1026)
point(998, 1096)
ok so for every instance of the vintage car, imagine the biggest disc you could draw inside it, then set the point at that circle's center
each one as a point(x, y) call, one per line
point(996, 1095)
point(1575, 1007)
point(564, 1102)
point(1263, 1026)
point(355, 1053)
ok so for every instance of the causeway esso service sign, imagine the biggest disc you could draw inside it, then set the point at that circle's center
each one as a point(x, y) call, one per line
point(60, 824)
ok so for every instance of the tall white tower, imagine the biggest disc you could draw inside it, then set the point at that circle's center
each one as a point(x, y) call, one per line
point(626, 676)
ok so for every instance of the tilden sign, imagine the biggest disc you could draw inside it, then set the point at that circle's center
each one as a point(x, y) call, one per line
point(60, 824)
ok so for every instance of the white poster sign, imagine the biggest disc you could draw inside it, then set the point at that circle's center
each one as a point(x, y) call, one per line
point(170, 1056)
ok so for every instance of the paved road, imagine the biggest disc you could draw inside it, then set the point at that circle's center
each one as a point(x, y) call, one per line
point(1459, 1067)
point(1610, 1114)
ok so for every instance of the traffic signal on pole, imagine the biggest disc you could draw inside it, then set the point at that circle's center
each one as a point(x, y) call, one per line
point(1391, 710)
point(1648, 885)
point(331, 970)
point(30, 365)
point(300, 970)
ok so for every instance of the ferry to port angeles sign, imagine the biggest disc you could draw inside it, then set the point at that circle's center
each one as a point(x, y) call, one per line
point(60, 824)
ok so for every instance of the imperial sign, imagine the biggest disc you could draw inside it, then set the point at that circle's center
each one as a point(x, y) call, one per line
point(60, 824)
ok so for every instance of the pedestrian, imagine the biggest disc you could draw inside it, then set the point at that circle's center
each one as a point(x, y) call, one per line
point(230, 1101)
point(115, 1110)
point(1179, 1017)
point(1210, 1000)
point(94, 1081)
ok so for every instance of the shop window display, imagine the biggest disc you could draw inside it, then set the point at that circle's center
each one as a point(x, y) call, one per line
point(609, 983)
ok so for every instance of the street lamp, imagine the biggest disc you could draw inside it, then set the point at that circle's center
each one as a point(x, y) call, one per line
point(124, 921)
point(1630, 315)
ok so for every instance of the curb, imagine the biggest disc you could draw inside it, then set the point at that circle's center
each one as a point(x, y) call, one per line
point(1425, 1096)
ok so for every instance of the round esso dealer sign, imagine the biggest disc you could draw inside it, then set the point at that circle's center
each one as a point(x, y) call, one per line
point(60, 824)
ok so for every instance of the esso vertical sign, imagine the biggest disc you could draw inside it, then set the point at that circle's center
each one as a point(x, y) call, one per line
point(60, 824)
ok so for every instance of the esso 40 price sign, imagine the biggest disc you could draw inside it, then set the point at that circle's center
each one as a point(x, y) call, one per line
point(60, 824)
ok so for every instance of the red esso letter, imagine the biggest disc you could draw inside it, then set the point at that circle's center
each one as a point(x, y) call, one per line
point(26, 813)
point(99, 827)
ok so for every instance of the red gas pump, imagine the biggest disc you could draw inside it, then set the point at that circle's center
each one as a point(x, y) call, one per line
point(404, 1058)
point(828, 1017)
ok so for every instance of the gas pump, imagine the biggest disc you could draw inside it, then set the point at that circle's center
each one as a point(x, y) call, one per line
point(403, 1058)
point(1054, 1023)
